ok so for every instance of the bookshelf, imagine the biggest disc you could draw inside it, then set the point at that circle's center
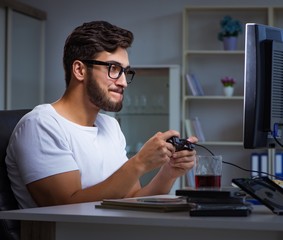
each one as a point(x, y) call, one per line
point(203, 55)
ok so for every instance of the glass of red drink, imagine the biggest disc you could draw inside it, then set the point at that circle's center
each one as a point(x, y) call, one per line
point(208, 171)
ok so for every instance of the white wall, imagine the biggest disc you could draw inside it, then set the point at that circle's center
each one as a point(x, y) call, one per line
point(2, 58)
point(156, 25)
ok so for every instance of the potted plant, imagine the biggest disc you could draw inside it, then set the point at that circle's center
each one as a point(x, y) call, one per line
point(230, 29)
point(228, 81)
point(228, 84)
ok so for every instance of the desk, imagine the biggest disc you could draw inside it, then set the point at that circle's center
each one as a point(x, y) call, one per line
point(84, 221)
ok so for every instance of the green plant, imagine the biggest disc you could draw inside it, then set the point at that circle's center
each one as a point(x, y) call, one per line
point(229, 27)
point(228, 81)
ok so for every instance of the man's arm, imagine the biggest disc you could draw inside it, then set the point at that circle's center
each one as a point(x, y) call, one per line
point(65, 188)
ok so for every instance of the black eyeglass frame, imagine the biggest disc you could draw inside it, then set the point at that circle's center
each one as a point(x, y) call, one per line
point(109, 64)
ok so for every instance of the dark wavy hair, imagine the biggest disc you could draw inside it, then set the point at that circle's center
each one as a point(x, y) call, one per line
point(91, 38)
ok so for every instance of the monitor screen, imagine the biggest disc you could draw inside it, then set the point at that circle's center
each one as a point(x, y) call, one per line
point(263, 86)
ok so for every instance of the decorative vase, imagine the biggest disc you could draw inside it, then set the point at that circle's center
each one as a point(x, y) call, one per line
point(230, 43)
point(228, 91)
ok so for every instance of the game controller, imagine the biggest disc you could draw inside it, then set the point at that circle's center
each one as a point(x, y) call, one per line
point(181, 144)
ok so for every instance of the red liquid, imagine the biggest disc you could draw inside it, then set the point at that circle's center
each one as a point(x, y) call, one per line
point(208, 181)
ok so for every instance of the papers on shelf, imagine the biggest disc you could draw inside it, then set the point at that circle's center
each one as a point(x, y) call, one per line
point(194, 128)
point(194, 85)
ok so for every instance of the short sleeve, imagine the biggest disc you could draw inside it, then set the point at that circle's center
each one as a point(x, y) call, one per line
point(40, 148)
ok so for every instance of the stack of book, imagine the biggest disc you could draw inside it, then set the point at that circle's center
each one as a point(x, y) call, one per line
point(194, 85)
point(216, 202)
point(194, 128)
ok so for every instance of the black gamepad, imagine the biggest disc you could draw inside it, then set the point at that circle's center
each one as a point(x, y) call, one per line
point(181, 144)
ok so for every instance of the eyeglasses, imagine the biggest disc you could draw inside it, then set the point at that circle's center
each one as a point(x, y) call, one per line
point(114, 69)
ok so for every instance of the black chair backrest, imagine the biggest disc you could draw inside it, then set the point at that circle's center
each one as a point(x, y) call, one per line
point(9, 229)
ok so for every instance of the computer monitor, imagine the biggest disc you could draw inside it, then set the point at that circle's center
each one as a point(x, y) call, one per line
point(263, 86)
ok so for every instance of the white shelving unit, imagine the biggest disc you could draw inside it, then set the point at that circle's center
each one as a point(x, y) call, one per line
point(203, 55)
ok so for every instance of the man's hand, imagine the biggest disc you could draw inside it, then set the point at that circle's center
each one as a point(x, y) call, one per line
point(156, 151)
point(181, 161)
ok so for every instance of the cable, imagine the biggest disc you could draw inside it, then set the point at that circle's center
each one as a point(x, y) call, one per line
point(276, 140)
point(234, 165)
point(248, 170)
point(196, 144)
point(275, 133)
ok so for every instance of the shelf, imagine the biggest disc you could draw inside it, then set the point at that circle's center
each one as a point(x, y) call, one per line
point(225, 8)
point(203, 56)
point(188, 98)
point(213, 52)
point(221, 143)
point(141, 114)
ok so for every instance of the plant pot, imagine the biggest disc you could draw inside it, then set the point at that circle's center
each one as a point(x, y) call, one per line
point(230, 43)
point(228, 91)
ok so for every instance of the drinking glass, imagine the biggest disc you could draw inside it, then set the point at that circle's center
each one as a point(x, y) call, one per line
point(208, 171)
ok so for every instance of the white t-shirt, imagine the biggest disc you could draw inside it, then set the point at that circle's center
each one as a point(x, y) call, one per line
point(44, 144)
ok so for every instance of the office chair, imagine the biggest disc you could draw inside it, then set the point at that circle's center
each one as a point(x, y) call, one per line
point(9, 229)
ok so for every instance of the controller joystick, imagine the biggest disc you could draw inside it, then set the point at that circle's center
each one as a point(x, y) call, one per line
point(181, 144)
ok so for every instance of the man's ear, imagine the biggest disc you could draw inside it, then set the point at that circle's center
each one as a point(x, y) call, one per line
point(79, 70)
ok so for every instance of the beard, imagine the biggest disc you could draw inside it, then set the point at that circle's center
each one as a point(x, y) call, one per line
point(99, 97)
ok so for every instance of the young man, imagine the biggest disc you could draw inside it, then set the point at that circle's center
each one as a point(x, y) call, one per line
point(67, 152)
